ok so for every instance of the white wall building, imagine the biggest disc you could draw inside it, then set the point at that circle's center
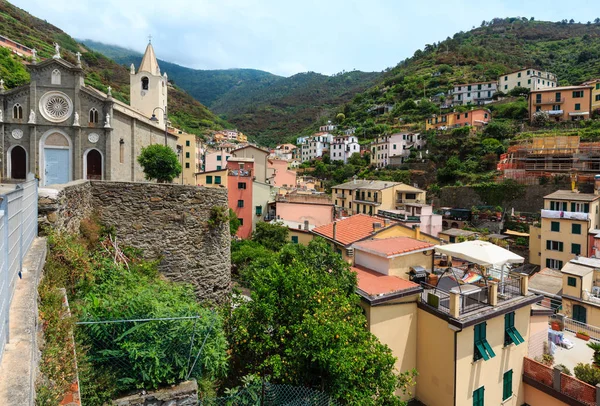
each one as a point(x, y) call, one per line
point(301, 140)
point(532, 79)
point(474, 93)
point(343, 147)
point(387, 146)
point(315, 146)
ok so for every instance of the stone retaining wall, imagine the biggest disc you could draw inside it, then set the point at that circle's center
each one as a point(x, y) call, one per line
point(166, 221)
point(184, 394)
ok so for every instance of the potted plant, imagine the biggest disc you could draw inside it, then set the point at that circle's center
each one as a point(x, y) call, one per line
point(583, 335)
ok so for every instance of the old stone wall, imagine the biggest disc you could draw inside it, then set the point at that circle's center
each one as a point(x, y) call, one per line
point(184, 394)
point(465, 197)
point(167, 222)
point(62, 207)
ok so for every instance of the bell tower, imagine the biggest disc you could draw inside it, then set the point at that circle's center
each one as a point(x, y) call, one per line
point(148, 88)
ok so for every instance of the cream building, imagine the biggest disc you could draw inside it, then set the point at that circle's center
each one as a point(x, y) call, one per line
point(369, 196)
point(565, 221)
point(190, 151)
point(387, 146)
point(533, 79)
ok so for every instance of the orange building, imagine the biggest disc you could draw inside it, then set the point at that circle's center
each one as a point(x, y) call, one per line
point(567, 103)
point(239, 180)
point(473, 118)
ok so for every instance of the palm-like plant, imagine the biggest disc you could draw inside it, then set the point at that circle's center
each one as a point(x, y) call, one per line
point(595, 346)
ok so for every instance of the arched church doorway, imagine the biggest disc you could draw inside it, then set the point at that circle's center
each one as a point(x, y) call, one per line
point(93, 165)
point(56, 156)
point(18, 162)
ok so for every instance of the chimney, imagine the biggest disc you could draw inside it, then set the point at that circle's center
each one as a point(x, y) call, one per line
point(417, 229)
point(376, 226)
point(334, 230)
point(306, 225)
point(386, 222)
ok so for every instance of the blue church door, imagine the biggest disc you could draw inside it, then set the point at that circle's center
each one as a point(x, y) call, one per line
point(56, 162)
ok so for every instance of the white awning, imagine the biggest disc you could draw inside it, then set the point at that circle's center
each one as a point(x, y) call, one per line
point(481, 252)
point(555, 112)
point(582, 113)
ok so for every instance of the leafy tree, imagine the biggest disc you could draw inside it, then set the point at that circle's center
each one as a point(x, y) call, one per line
point(272, 236)
point(303, 326)
point(518, 91)
point(159, 162)
point(234, 222)
point(540, 118)
point(597, 20)
point(492, 146)
point(356, 160)
point(450, 171)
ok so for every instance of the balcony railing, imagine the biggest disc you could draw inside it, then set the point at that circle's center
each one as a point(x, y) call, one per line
point(240, 172)
point(571, 215)
point(466, 298)
point(549, 101)
point(341, 196)
point(371, 202)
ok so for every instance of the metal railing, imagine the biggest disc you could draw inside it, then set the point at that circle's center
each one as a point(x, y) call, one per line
point(511, 287)
point(18, 228)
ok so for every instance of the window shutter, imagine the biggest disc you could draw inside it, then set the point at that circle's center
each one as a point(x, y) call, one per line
point(560, 246)
point(572, 206)
point(548, 245)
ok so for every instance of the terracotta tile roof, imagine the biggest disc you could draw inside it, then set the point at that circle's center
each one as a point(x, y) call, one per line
point(374, 283)
point(392, 246)
point(350, 229)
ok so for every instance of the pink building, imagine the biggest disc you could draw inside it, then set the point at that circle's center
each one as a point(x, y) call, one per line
point(216, 160)
point(318, 210)
point(239, 192)
point(279, 173)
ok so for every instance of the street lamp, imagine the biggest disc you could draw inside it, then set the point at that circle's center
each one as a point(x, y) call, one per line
point(153, 118)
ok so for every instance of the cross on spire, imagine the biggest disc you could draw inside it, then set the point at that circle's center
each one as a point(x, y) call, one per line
point(150, 39)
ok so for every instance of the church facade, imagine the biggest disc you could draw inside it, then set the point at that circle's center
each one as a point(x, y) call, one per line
point(61, 129)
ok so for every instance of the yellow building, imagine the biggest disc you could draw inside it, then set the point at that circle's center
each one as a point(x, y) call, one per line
point(440, 121)
point(216, 179)
point(190, 153)
point(369, 196)
point(565, 220)
point(467, 342)
point(581, 290)
point(595, 83)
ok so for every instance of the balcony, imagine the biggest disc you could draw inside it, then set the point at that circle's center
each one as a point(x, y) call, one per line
point(368, 202)
point(341, 196)
point(570, 215)
point(245, 173)
point(461, 299)
point(549, 101)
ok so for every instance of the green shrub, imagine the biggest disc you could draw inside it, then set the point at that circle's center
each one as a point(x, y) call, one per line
point(587, 373)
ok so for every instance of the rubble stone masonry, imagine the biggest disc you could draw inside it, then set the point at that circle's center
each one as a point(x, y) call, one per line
point(166, 221)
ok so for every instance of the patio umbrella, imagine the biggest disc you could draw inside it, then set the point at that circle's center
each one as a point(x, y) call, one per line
point(483, 253)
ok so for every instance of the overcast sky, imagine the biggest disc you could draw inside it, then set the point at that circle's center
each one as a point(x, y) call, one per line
point(286, 36)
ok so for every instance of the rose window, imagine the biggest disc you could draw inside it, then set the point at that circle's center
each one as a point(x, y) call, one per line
point(56, 106)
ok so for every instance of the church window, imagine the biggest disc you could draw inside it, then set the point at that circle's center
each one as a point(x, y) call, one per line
point(55, 77)
point(93, 115)
point(18, 112)
point(144, 83)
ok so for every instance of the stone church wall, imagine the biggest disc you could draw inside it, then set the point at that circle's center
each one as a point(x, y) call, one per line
point(166, 221)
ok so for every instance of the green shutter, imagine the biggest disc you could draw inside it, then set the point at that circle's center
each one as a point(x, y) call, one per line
point(548, 245)
point(555, 226)
point(561, 246)
point(571, 281)
point(572, 206)
point(576, 249)
point(295, 239)
point(209, 180)
point(507, 385)
point(478, 396)
point(586, 207)
point(575, 228)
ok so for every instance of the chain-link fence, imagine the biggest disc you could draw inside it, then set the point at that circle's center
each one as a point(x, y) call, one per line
point(273, 395)
point(141, 353)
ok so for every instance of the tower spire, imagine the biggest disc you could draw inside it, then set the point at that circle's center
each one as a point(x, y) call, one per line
point(149, 62)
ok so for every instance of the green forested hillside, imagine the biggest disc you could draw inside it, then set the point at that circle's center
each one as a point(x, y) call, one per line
point(101, 72)
point(570, 50)
point(269, 108)
point(206, 86)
